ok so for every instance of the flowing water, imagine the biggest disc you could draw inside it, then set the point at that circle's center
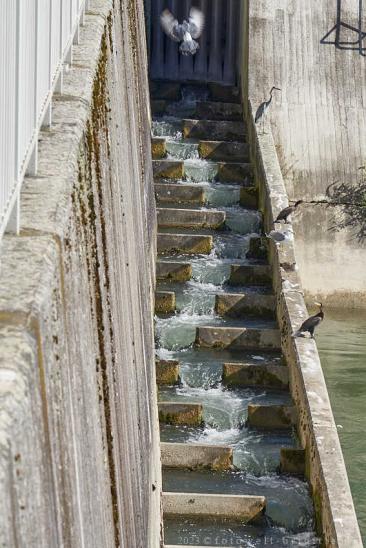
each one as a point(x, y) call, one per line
point(342, 346)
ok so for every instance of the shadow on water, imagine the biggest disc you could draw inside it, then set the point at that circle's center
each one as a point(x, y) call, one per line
point(342, 346)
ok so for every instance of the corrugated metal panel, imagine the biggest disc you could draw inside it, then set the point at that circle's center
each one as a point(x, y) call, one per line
point(35, 36)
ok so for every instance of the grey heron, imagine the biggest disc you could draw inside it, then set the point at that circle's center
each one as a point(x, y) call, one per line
point(184, 32)
point(309, 325)
point(263, 108)
point(287, 211)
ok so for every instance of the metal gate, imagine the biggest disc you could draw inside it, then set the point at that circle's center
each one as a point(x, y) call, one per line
point(216, 58)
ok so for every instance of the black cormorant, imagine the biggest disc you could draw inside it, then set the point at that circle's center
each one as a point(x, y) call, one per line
point(282, 216)
point(311, 323)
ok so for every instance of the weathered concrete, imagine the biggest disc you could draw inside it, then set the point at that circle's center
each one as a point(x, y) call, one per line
point(189, 414)
point(213, 129)
point(244, 374)
point(292, 461)
point(168, 169)
point(238, 305)
point(77, 376)
point(250, 275)
point(238, 337)
point(184, 243)
point(234, 173)
point(174, 272)
point(196, 457)
point(175, 193)
point(325, 467)
point(258, 248)
point(190, 218)
point(234, 507)
point(167, 372)
point(318, 122)
point(272, 417)
point(158, 147)
point(224, 151)
point(164, 302)
point(210, 110)
point(249, 197)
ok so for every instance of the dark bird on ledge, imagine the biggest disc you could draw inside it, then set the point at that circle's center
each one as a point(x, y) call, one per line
point(263, 107)
point(311, 323)
point(185, 32)
point(282, 216)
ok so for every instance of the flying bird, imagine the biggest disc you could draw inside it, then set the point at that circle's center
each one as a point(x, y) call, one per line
point(287, 211)
point(263, 107)
point(187, 32)
point(311, 323)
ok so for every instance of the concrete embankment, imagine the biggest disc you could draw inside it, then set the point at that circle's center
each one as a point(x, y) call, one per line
point(79, 441)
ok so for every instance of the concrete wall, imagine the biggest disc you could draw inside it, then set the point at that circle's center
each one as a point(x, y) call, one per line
point(318, 122)
point(79, 440)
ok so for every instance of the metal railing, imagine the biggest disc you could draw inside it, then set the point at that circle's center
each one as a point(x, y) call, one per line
point(36, 38)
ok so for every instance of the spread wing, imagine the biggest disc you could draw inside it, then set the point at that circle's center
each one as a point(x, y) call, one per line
point(170, 25)
point(196, 22)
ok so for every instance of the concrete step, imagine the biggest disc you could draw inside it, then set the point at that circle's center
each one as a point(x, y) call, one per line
point(196, 457)
point(250, 275)
point(244, 374)
point(238, 305)
point(238, 338)
point(169, 193)
point(224, 151)
point(212, 110)
point(184, 243)
point(158, 147)
point(170, 91)
point(168, 169)
point(242, 508)
point(164, 302)
point(174, 272)
point(249, 197)
point(188, 414)
point(167, 372)
point(258, 248)
point(292, 461)
point(229, 172)
point(272, 417)
point(190, 218)
point(221, 92)
point(213, 129)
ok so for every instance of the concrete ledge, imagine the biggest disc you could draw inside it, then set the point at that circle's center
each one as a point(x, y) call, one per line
point(243, 374)
point(250, 275)
point(238, 305)
point(158, 147)
point(190, 218)
point(292, 461)
point(249, 197)
point(238, 337)
point(168, 169)
point(210, 110)
point(176, 193)
point(234, 173)
point(224, 151)
point(211, 129)
point(242, 508)
point(167, 372)
point(189, 414)
point(164, 302)
point(184, 243)
point(174, 272)
point(226, 94)
point(272, 417)
point(195, 457)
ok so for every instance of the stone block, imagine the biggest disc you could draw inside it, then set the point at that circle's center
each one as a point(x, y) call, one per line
point(235, 173)
point(167, 372)
point(258, 248)
point(238, 338)
point(184, 243)
point(272, 417)
point(196, 457)
point(227, 94)
point(213, 129)
point(243, 374)
point(174, 272)
point(189, 414)
point(176, 193)
point(211, 110)
point(158, 147)
point(164, 302)
point(292, 461)
point(243, 508)
point(250, 275)
point(238, 305)
point(249, 197)
point(168, 169)
point(190, 218)
point(224, 151)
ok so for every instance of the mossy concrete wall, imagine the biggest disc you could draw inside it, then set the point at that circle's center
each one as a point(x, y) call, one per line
point(79, 441)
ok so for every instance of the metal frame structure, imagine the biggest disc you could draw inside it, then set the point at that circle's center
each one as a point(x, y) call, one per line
point(36, 38)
